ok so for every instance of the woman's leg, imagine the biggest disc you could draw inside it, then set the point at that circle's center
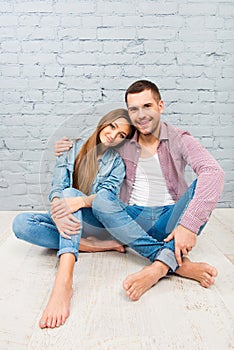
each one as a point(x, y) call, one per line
point(58, 307)
point(36, 228)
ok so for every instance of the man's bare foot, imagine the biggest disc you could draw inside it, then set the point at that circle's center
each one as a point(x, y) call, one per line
point(58, 306)
point(92, 244)
point(138, 283)
point(201, 272)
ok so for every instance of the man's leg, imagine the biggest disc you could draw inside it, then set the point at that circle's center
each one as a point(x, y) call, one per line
point(201, 272)
point(121, 223)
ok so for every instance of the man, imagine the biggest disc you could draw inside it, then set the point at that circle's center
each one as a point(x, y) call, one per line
point(158, 216)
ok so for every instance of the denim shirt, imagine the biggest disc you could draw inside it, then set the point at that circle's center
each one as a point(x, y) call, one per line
point(109, 176)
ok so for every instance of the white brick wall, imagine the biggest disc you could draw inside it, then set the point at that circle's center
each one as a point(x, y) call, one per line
point(65, 63)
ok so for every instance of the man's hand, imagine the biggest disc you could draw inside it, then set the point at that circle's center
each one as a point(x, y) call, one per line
point(184, 239)
point(67, 226)
point(61, 146)
point(65, 206)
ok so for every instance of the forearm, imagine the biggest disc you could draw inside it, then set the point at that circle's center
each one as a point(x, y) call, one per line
point(88, 201)
point(207, 193)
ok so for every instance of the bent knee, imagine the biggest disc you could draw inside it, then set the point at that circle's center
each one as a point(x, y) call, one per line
point(19, 224)
point(71, 192)
point(103, 198)
point(105, 202)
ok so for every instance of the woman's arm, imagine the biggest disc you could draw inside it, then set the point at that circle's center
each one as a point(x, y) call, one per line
point(66, 206)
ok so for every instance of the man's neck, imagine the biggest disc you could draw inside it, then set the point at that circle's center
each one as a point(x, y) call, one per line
point(149, 145)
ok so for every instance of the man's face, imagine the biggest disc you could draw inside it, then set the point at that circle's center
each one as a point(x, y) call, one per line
point(145, 112)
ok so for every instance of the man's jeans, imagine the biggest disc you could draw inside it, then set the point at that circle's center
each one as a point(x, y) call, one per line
point(143, 228)
point(40, 229)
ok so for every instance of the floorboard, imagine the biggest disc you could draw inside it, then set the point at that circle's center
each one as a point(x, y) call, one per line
point(175, 314)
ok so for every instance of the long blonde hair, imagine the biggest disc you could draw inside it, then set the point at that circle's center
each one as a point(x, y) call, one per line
point(86, 163)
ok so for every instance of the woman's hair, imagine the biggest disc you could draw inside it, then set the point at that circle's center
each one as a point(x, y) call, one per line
point(86, 163)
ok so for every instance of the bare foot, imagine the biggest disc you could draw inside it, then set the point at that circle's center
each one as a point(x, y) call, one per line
point(58, 307)
point(92, 244)
point(201, 272)
point(139, 282)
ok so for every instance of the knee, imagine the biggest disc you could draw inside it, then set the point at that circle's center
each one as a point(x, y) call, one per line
point(71, 192)
point(104, 202)
point(19, 224)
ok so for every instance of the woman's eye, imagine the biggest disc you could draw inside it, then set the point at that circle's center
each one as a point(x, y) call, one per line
point(112, 126)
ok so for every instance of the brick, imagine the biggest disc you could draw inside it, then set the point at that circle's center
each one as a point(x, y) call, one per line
point(194, 9)
point(8, 20)
point(169, 8)
point(34, 6)
point(121, 33)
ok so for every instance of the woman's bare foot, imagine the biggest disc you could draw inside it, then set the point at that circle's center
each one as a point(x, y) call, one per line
point(58, 307)
point(92, 244)
point(138, 283)
point(198, 271)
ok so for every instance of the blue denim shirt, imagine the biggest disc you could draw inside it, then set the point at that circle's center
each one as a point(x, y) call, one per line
point(110, 174)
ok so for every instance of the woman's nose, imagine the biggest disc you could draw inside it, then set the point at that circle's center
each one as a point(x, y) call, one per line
point(113, 134)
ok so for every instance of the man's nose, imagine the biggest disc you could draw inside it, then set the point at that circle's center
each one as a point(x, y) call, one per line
point(141, 113)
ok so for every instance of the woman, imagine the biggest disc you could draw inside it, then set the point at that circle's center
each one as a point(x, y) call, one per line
point(78, 176)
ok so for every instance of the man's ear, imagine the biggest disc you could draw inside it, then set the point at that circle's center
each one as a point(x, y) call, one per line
point(161, 106)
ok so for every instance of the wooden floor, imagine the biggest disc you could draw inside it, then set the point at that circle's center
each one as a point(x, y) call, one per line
point(175, 314)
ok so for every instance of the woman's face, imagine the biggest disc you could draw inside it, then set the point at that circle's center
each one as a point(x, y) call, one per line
point(115, 132)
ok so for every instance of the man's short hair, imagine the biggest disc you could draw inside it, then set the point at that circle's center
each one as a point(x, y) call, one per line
point(142, 85)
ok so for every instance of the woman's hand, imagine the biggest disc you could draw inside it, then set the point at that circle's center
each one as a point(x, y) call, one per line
point(65, 206)
point(67, 226)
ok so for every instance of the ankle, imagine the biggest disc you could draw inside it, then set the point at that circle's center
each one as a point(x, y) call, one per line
point(159, 267)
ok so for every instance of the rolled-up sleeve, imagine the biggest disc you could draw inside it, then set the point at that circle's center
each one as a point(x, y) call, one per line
point(61, 179)
point(210, 182)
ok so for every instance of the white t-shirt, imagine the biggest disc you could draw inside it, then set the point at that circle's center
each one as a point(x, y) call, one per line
point(149, 188)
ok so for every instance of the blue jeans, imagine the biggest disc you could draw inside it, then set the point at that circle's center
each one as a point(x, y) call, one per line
point(143, 228)
point(40, 229)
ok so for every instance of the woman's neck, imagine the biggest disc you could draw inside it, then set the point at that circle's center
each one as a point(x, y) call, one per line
point(101, 150)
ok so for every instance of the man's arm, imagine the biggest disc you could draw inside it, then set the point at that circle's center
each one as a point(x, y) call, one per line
point(210, 180)
point(62, 145)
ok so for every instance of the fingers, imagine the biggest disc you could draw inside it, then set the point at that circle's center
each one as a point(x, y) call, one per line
point(73, 219)
point(169, 237)
point(178, 255)
point(64, 235)
point(62, 145)
point(60, 209)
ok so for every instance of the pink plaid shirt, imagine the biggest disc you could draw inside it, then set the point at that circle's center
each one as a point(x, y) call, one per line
point(177, 148)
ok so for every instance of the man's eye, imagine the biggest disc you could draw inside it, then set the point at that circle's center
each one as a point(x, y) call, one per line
point(133, 109)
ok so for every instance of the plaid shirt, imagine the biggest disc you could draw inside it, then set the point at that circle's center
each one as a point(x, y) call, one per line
point(177, 148)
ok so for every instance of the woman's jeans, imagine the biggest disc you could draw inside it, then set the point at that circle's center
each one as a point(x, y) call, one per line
point(40, 229)
point(141, 228)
